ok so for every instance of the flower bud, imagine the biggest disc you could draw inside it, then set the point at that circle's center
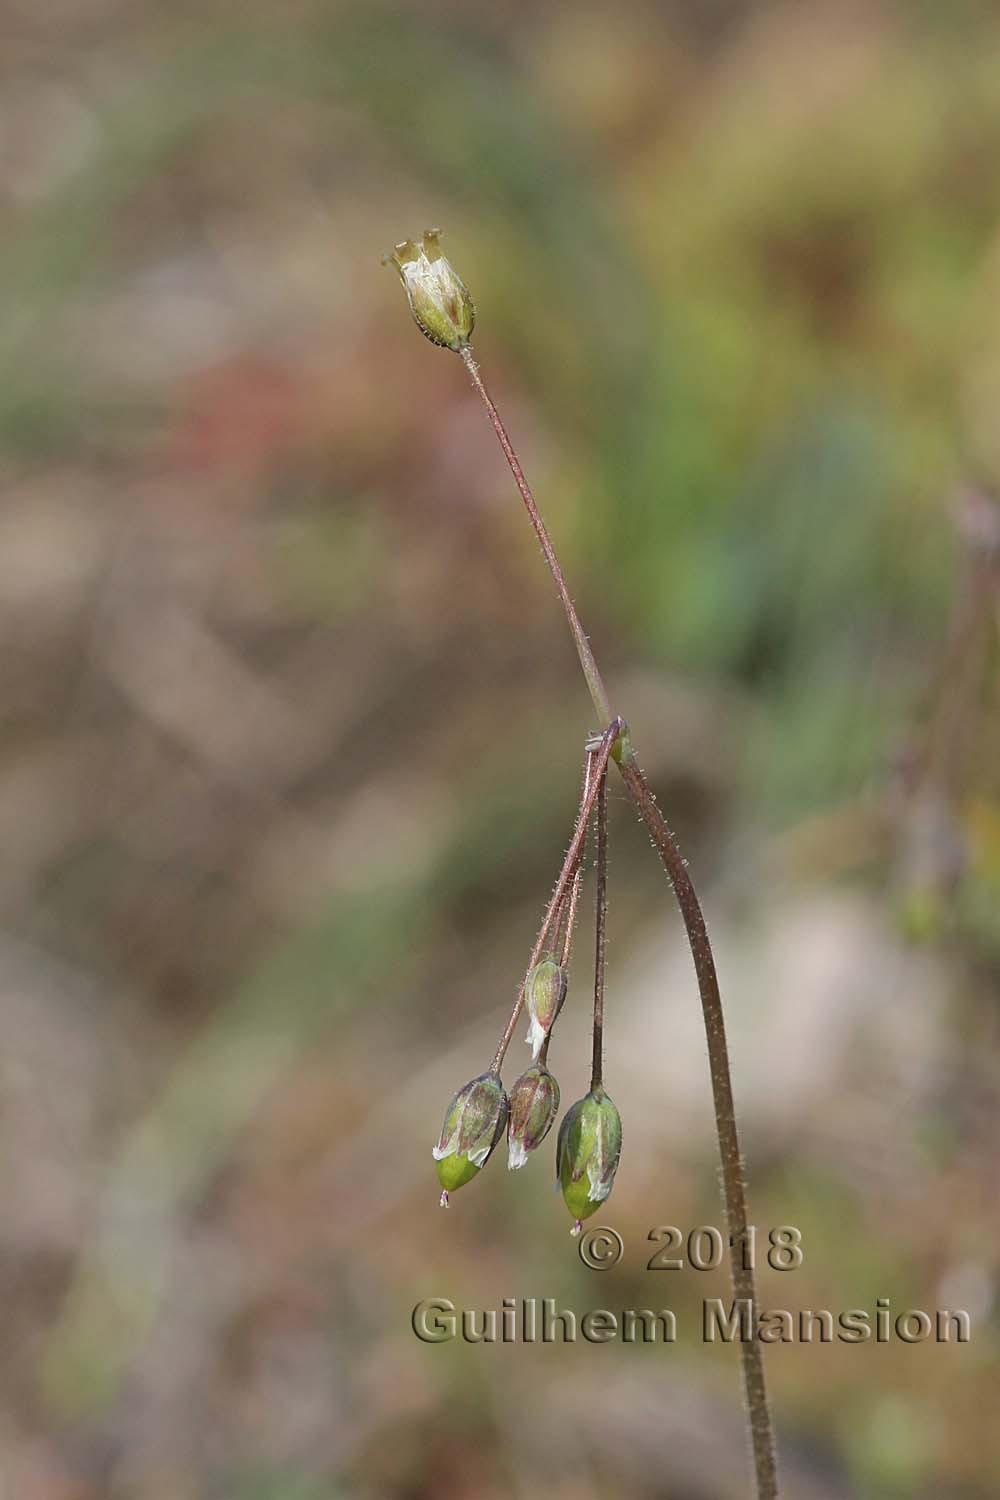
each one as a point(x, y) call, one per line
point(534, 1104)
point(544, 993)
point(589, 1146)
point(439, 299)
point(472, 1126)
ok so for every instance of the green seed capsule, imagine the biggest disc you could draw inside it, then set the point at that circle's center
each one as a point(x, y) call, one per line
point(438, 297)
point(474, 1122)
point(534, 1104)
point(587, 1153)
point(544, 993)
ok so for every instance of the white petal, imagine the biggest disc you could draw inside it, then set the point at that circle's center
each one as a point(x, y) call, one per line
point(535, 1038)
point(516, 1155)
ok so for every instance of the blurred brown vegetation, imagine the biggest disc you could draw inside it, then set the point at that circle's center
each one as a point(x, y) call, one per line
point(292, 726)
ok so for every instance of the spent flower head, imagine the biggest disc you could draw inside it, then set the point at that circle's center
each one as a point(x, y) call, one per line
point(534, 1104)
point(474, 1122)
point(587, 1153)
point(439, 299)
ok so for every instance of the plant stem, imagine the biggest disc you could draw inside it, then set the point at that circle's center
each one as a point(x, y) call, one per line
point(600, 925)
point(733, 1170)
point(733, 1173)
point(568, 872)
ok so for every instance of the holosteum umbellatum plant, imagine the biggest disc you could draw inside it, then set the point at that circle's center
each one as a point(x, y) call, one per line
point(590, 1135)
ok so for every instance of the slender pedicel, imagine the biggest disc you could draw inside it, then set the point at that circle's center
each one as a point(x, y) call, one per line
point(600, 927)
point(574, 894)
point(601, 755)
point(595, 682)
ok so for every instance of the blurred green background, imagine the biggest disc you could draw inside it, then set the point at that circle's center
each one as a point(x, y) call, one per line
point(292, 727)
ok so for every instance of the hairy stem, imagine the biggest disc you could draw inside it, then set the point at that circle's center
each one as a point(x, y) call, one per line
point(600, 925)
point(733, 1173)
point(601, 757)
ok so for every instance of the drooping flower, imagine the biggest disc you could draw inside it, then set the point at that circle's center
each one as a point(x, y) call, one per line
point(587, 1153)
point(534, 1104)
point(474, 1122)
point(544, 993)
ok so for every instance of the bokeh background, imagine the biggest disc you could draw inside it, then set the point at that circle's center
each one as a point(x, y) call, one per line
point(292, 727)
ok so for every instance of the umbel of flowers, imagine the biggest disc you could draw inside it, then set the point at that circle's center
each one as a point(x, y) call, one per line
point(589, 1140)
